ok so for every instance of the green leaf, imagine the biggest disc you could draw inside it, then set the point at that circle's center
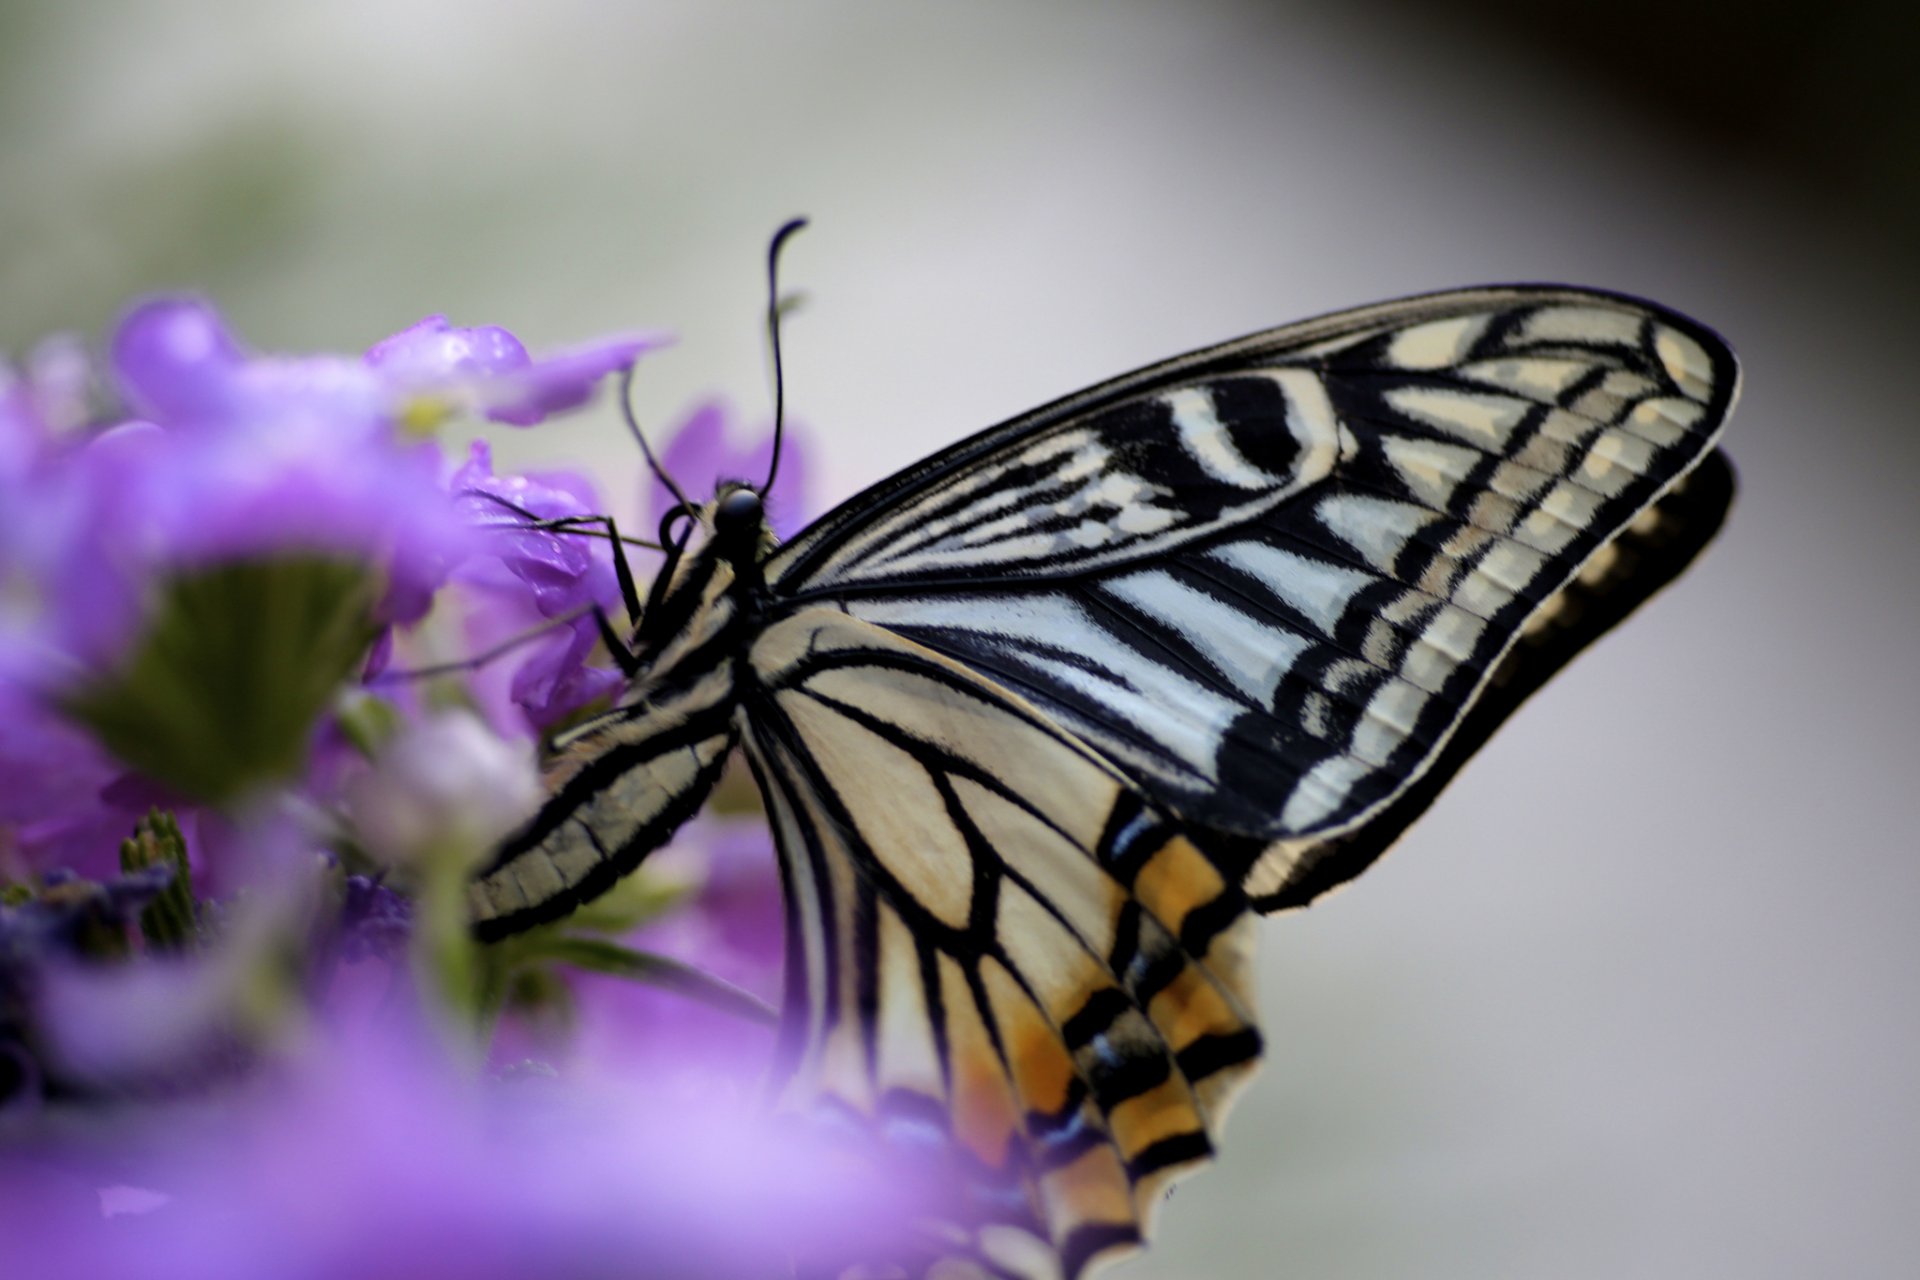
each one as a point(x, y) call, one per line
point(598, 955)
point(367, 720)
point(220, 695)
point(632, 902)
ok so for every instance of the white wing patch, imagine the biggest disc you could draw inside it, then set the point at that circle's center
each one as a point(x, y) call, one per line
point(1583, 325)
point(1431, 469)
point(1316, 589)
point(1051, 636)
point(1437, 344)
point(1205, 437)
point(1378, 528)
point(1255, 656)
point(1486, 421)
point(1685, 361)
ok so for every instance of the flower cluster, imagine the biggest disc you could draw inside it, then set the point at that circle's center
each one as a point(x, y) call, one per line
point(242, 1028)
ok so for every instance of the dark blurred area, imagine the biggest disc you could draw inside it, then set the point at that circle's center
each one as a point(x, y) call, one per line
point(1822, 100)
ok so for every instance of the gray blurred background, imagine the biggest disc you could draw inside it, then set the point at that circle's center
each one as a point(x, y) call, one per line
point(1637, 998)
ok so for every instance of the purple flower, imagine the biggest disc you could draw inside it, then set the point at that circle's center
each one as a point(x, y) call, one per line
point(376, 1157)
point(60, 802)
point(491, 372)
point(375, 922)
point(269, 453)
point(236, 458)
point(521, 577)
point(178, 364)
point(262, 462)
point(68, 909)
point(702, 451)
point(732, 928)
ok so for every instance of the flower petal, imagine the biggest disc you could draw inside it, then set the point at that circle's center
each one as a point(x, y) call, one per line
point(561, 380)
point(434, 351)
point(175, 359)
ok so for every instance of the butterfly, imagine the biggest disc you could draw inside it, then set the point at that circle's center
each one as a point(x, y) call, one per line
point(1042, 722)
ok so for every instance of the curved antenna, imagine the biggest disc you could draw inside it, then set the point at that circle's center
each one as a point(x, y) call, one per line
point(646, 450)
point(773, 331)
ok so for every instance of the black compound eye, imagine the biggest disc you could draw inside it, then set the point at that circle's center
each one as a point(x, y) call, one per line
point(737, 515)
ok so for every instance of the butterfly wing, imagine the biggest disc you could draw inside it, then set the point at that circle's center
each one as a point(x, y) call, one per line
point(1283, 583)
point(1000, 950)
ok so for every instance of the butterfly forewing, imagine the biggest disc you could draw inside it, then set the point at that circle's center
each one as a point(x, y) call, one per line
point(1340, 529)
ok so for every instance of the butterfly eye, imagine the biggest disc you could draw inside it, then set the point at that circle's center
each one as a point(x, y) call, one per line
point(737, 515)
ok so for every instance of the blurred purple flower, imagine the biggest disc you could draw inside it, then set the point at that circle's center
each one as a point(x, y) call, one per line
point(443, 786)
point(68, 907)
point(68, 922)
point(375, 1157)
point(44, 398)
point(178, 364)
point(702, 451)
point(240, 457)
point(375, 922)
point(59, 803)
point(236, 457)
point(732, 928)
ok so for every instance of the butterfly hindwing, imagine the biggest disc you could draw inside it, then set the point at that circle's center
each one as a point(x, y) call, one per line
point(1272, 581)
point(998, 938)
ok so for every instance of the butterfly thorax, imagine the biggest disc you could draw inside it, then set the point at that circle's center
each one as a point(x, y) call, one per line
point(712, 599)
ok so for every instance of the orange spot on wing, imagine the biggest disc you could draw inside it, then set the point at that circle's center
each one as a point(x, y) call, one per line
point(1176, 880)
point(1190, 1007)
point(1093, 1188)
point(984, 1116)
point(1043, 1070)
point(1166, 1111)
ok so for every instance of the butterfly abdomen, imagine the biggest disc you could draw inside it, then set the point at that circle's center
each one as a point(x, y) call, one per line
point(624, 781)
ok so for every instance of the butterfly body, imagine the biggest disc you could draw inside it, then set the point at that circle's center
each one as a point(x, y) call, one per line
point(1040, 721)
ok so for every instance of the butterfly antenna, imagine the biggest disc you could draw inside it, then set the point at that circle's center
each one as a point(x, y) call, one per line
point(773, 334)
point(646, 450)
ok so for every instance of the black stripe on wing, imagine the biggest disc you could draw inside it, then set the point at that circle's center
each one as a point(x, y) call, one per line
point(621, 795)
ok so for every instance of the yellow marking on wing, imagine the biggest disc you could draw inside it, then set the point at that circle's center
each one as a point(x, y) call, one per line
point(1062, 973)
point(1190, 1007)
point(1164, 1111)
point(1060, 871)
point(1043, 1070)
point(1092, 1189)
point(1175, 880)
point(899, 812)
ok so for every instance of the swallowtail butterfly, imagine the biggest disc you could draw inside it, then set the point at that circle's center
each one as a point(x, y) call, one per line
point(1041, 722)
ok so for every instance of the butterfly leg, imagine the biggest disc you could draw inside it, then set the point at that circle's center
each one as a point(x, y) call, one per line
point(622, 569)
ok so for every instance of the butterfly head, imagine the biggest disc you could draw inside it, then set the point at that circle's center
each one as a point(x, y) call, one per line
point(738, 518)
